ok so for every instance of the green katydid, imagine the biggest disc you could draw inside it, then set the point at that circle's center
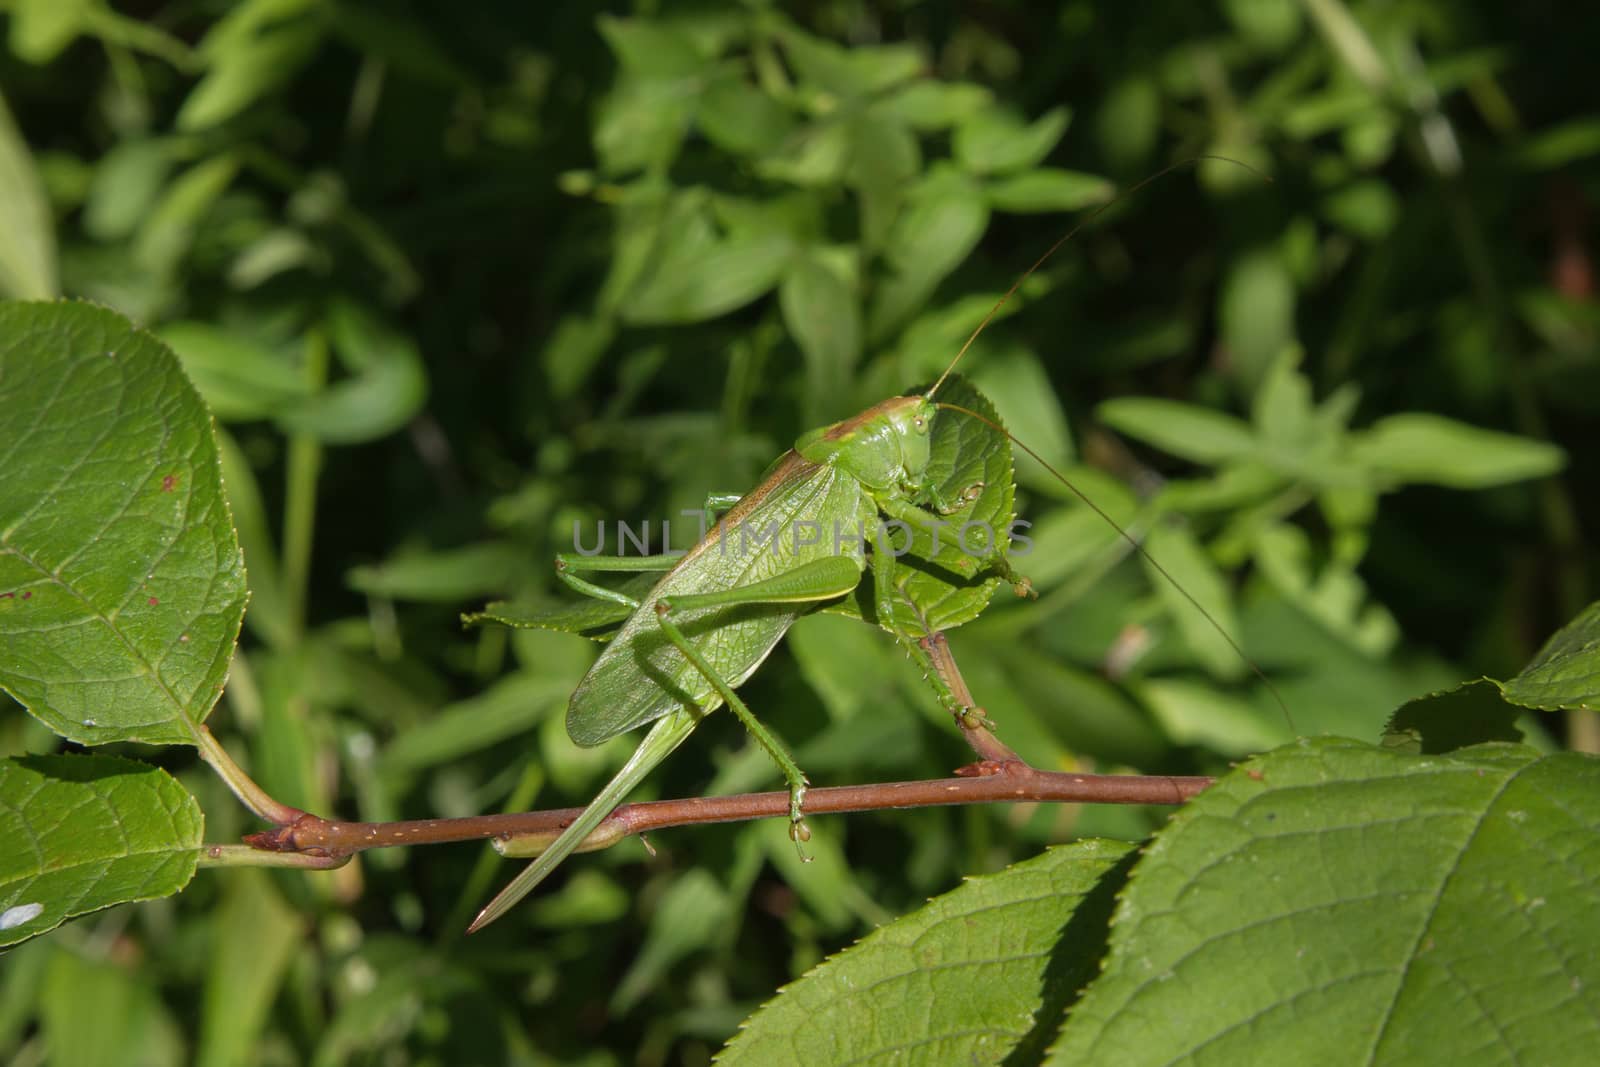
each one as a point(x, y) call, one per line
point(820, 514)
point(797, 541)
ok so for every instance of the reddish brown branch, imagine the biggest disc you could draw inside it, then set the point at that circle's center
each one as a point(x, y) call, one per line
point(987, 782)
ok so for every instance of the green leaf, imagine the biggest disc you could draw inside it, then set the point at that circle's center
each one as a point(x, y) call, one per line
point(1369, 208)
point(1045, 189)
point(979, 974)
point(651, 48)
point(446, 576)
point(255, 938)
point(86, 832)
point(27, 232)
point(169, 228)
point(741, 119)
point(689, 915)
point(40, 29)
point(692, 288)
point(1257, 311)
point(1014, 379)
point(1128, 121)
point(389, 384)
point(1332, 900)
point(824, 317)
point(1189, 431)
point(998, 142)
point(128, 1023)
point(849, 73)
point(931, 106)
point(1566, 672)
point(1561, 145)
point(943, 219)
point(1433, 450)
point(1191, 570)
point(127, 182)
point(1265, 23)
point(1453, 719)
point(239, 378)
point(254, 49)
point(508, 708)
point(121, 581)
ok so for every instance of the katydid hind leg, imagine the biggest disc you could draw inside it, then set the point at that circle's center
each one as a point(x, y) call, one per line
point(819, 580)
point(792, 775)
point(668, 733)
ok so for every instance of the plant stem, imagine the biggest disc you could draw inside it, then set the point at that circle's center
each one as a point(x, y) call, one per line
point(987, 782)
point(300, 507)
point(244, 787)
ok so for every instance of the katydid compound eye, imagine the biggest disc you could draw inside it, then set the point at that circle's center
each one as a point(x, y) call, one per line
point(919, 422)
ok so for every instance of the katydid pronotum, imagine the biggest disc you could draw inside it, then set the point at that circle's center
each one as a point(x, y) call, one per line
point(822, 514)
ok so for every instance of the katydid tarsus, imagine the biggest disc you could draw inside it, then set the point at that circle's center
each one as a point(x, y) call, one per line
point(821, 518)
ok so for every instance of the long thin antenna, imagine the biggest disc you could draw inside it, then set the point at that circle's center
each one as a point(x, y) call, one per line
point(1143, 552)
point(1069, 235)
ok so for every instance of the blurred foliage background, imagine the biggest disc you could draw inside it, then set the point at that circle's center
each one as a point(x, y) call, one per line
point(454, 280)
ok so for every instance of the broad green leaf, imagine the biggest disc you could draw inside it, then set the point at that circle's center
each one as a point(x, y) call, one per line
point(1561, 145)
point(1469, 714)
point(1190, 570)
point(271, 616)
point(982, 973)
point(27, 232)
point(169, 228)
point(1369, 208)
point(254, 49)
point(651, 48)
point(1332, 901)
point(40, 29)
point(996, 141)
point(446, 576)
point(1189, 431)
point(1046, 189)
point(942, 222)
point(1267, 24)
point(121, 581)
point(1128, 121)
point(389, 383)
point(741, 119)
point(252, 944)
point(1566, 672)
point(930, 105)
point(105, 1013)
point(127, 182)
point(239, 378)
point(847, 73)
point(640, 127)
point(1015, 380)
point(86, 832)
point(1429, 449)
point(1198, 713)
point(508, 708)
point(687, 918)
point(692, 288)
point(1257, 307)
point(824, 317)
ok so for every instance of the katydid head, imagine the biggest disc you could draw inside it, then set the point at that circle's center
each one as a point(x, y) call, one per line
point(886, 447)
